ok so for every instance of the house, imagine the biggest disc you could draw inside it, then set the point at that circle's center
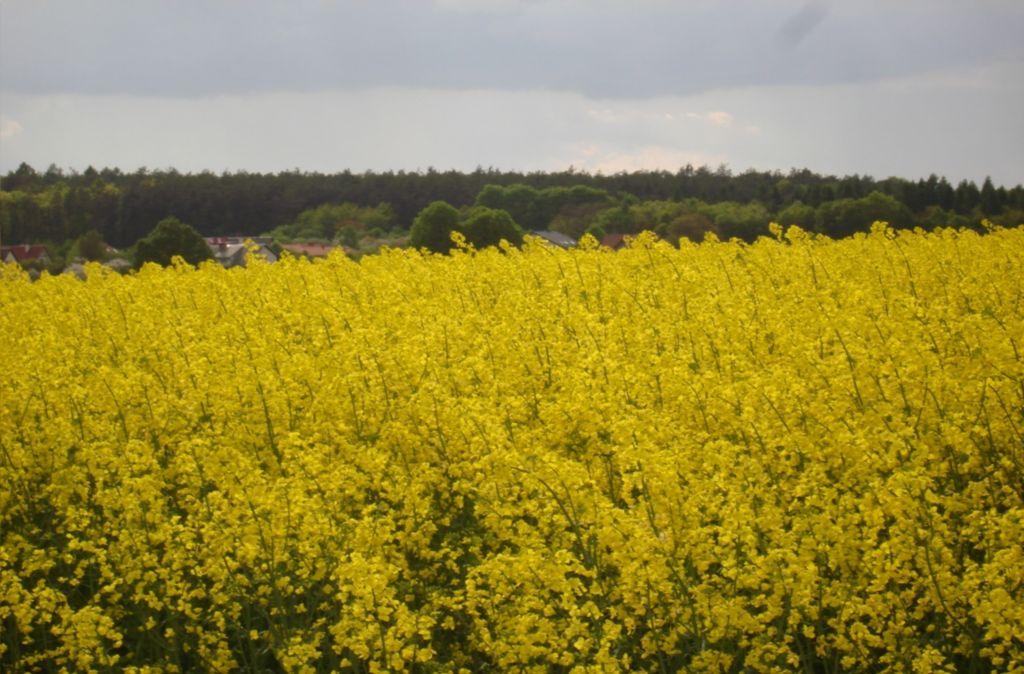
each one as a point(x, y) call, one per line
point(118, 264)
point(615, 241)
point(76, 269)
point(555, 238)
point(233, 254)
point(312, 249)
point(25, 253)
point(213, 241)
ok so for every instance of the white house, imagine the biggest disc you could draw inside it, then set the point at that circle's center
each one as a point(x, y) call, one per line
point(233, 254)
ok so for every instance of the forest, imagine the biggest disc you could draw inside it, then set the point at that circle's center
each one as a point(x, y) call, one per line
point(56, 205)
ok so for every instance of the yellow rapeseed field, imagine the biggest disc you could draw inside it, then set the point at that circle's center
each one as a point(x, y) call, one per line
point(796, 455)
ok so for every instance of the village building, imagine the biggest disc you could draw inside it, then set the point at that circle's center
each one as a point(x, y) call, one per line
point(212, 241)
point(312, 249)
point(25, 253)
point(615, 241)
point(555, 238)
point(234, 254)
point(118, 264)
point(76, 269)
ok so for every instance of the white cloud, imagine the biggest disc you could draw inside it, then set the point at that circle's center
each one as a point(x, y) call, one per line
point(719, 118)
point(605, 115)
point(616, 112)
point(591, 157)
point(9, 128)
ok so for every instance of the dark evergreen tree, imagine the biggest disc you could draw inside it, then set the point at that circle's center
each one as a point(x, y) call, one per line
point(989, 198)
point(966, 197)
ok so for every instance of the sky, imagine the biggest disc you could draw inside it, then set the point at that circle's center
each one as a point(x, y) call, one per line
point(894, 87)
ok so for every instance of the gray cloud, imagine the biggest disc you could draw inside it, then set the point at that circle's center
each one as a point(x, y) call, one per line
point(884, 87)
point(600, 49)
point(960, 123)
point(801, 24)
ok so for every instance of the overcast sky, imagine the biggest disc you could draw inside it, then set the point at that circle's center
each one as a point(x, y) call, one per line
point(900, 87)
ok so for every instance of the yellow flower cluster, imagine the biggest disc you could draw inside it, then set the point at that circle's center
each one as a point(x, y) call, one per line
point(796, 455)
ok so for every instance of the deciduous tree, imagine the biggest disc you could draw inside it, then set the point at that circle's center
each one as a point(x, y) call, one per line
point(172, 237)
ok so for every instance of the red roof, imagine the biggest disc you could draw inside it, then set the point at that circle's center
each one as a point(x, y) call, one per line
point(25, 252)
point(613, 241)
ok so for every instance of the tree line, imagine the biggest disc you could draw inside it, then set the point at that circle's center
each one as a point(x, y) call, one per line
point(57, 205)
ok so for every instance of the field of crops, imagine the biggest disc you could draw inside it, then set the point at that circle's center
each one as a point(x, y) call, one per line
point(797, 455)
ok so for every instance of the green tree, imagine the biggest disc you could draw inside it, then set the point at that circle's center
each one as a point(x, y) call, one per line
point(522, 202)
point(489, 226)
point(936, 216)
point(90, 246)
point(344, 222)
point(1010, 218)
point(172, 237)
point(846, 216)
point(535, 209)
point(797, 213)
point(690, 225)
point(617, 220)
point(432, 229)
point(576, 219)
point(733, 219)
